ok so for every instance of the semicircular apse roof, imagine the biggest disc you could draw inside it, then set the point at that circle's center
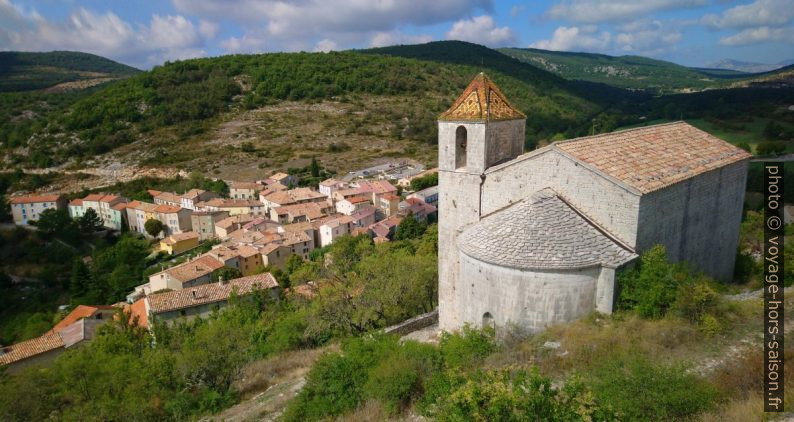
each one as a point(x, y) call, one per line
point(542, 232)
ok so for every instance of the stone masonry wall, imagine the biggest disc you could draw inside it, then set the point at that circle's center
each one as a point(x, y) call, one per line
point(697, 220)
point(532, 300)
point(610, 205)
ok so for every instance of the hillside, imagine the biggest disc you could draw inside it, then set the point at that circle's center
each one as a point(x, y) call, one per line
point(23, 71)
point(748, 67)
point(635, 72)
point(366, 98)
point(245, 115)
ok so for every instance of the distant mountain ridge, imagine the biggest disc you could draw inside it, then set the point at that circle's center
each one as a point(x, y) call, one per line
point(634, 72)
point(748, 67)
point(59, 70)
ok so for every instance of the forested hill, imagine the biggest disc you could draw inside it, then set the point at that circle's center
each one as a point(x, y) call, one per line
point(23, 71)
point(188, 94)
point(628, 71)
point(391, 95)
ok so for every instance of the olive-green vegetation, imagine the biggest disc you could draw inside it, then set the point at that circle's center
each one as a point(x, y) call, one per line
point(187, 95)
point(636, 72)
point(192, 367)
point(138, 189)
point(623, 71)
point(424, 182)
point(23, 71)
point(633, 365)
point(441, 379)
point(183, 101)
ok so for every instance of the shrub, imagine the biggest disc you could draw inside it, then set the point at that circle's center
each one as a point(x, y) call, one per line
point(464, 350)
point(650, 288)
point(642, 390)
point(504, 395)
point(398, 379)
point(335, 384)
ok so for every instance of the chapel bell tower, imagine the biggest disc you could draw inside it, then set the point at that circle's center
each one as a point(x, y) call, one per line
point(480, 130)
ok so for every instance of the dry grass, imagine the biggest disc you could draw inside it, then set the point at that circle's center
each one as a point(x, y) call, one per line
point(373, 411)
point(257, 376)
point(593, 339)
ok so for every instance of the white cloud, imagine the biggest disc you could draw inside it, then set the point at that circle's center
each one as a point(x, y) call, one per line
point(208, 29)
point(759, 35)
point(647, 37)
point(481, 30)
point(642, 37)
point(171, 32)
point(301, 24)
point(326, 45)
point(756, 14)
point(575, 38)
point(597, 11)
point(105, 34)
point(382, 39)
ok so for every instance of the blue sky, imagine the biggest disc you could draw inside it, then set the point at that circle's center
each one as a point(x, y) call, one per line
point(146, 33)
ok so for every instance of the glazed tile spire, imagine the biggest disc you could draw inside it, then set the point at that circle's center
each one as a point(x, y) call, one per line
point(481, 101)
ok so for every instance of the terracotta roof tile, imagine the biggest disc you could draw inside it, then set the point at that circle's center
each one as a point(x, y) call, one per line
point(191, 270)
point(208, 293)
point(34, 199)
point(653, 157)
point(80, 312)
point(32, 347)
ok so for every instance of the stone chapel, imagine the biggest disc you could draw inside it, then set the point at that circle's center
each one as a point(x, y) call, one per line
point(536, 238)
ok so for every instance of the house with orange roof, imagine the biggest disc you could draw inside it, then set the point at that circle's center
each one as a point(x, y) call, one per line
point(74, 330)
point(244, 190)
point(284, 179)
point(291, 197)
point(387, 203)
point(178, 243)
point(175, 219)
point(203, 223)
point(28, 208)
point(167, 198)
point(297, 213)
point(194, 272)
point(328, 186)
point(198, 301)
point(138, 212)
point(350, 205)
point(334, 228)
point(110, 208)
point(98, 312)
point(191, 198)
point(231, 224)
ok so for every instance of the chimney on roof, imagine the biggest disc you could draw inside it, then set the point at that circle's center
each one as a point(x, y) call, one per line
point(194, 294)
point(221, 280)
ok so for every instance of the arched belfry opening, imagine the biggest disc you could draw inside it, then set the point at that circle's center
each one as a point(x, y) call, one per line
point(460, 147)
point(487, 321)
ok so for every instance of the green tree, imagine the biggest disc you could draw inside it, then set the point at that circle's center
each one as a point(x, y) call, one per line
point(410, 228)
point(228, 273)
point(90, 222)
point(80, 278)
point(56, 222)
point(650, 288)
point(153, 227)
point(424, 182)
point(314, 168)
